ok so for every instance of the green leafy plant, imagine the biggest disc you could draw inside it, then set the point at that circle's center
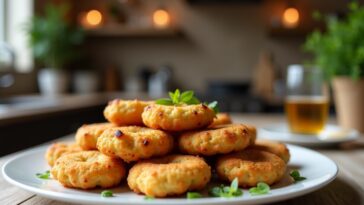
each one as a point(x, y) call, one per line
point(52, 38)
point(340, 50)
point(261, 189)
point(296, 176)
point(45, 175)
point(227, 191)
point(185, 98)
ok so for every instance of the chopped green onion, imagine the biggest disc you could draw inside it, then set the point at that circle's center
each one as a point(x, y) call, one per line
point(45, 175)
point(193, 195)
point(107, 193)
point(227, 191)
point(295, 174)
point(148, 198)
point(260, 189)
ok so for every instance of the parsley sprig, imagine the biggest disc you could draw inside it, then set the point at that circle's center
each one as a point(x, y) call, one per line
point(186, 97)
point(260, 189)
point(295, 174)
point(227, 191)
point(45, 175)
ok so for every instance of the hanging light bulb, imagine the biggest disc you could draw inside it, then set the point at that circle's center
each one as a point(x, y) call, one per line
point(91, 19)
point(94, 17)
point(291, 17)
point(161, 18)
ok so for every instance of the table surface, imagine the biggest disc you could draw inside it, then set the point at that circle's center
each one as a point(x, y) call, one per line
point(347, 188)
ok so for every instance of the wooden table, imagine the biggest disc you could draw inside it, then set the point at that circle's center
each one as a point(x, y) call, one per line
point(347, 188)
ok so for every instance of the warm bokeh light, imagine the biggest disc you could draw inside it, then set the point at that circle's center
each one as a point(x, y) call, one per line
point(161, 18)
point(290, 18)
point(94, 17)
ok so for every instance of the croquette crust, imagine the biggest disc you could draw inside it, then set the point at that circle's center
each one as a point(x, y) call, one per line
point(251, 167)
point(221, 119)
point(87, 170)
point(177, 118)
point(86, 136)
point(169, 175)
point(125, 112)
point(57, 150)
point(220, 139)
point(276, 148)
point(133, 143)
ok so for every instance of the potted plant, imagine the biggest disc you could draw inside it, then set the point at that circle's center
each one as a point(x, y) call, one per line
point(53, 42)
point(339, 52)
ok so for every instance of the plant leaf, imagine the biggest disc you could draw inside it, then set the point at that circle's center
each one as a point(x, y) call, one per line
point(164, 101)
point(193, 195)
point(260, 189)
point(187, 96)
point(295, 174)
point(193, 101)
point(214, 106)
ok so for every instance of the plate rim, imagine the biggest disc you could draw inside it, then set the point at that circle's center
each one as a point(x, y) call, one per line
point(264, 129)
point(262, 199)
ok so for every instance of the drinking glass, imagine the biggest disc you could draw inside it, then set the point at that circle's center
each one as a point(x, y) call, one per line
point(307, 101)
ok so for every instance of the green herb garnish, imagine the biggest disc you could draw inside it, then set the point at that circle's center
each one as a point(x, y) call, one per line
point(148, 198)
point(187, 97)
point(107, 193)
point(260, 189)
point(227, 191)
point(178, 98)
point(214, 106)
point(45, 175)
point(193, 195)
point(295, 174)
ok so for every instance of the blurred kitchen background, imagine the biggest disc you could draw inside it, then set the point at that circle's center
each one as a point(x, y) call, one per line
point(58, 70)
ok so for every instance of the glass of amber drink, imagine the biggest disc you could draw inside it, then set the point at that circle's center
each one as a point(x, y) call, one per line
point(307, 101)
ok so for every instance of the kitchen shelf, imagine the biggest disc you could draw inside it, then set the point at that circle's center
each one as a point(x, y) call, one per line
point(121, 31)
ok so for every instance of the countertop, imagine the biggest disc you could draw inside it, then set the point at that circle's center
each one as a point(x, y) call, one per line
point(347, 188)
point(35, 106)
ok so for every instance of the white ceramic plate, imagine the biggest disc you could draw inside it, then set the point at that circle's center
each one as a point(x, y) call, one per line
point(331, 135)
point(20, 171)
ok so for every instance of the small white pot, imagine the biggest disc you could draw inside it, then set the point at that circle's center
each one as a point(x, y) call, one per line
point(53, 81)
point(85, 82)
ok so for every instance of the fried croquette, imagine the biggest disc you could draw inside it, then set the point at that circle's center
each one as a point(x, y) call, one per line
point(221, 119)
point(132, 143)
point(57, 150)
point(86, 136)
point(169, 175)
point(177, 118)
point(88, 169)
point(125, 112)
point(276, 148)
point(220, 139)
point(251, 167)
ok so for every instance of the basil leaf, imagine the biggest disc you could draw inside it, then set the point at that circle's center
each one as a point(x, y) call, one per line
point(186, 96)
point(171, 95)
point(193, 101)
point(260, 189)
point(164, 101)
point(295, 174)
point(193, 195)
point(107, 193)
